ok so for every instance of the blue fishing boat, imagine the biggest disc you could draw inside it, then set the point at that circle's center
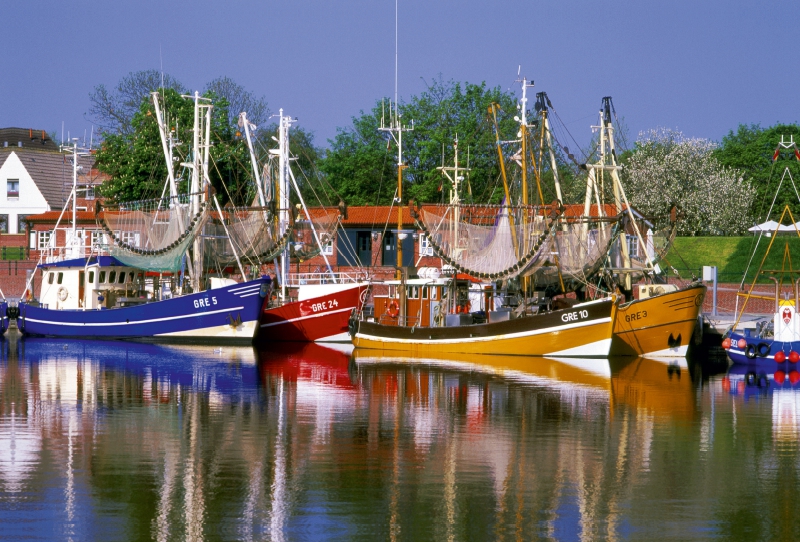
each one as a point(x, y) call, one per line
point(144, 275)
point(101, 297)
point(776, 338)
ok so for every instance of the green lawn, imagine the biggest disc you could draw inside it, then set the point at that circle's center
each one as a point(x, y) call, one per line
point(731, 255)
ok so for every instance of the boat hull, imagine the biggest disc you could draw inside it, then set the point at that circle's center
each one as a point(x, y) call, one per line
point(221, 315)
point(759, 350)
point(3, 316)
point(581, 331)
point(658, 326)
point(322, 318)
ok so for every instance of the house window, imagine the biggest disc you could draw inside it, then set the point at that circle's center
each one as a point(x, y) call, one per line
point(130, 238)
point(3, 223)
point(327, 248)
point(12, 189)
point(22, 225)
point(44, 239)
point(90, 192)
point(97, 238)
point(425, 248)
point(633, 246)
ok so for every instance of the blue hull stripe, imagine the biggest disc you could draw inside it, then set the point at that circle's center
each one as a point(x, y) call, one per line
point(126, 323)
point(191, 315)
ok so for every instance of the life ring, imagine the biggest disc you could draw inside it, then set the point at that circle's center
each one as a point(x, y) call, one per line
point(750, 351)
point(763, 349)
point(393, 309)
point(62, 293)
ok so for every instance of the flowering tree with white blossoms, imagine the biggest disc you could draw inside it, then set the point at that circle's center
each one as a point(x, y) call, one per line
point(667, 169)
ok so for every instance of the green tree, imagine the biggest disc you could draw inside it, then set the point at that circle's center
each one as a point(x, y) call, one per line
point(134, 159)
point(361, 163)
point(751, 149)
point(112, 111)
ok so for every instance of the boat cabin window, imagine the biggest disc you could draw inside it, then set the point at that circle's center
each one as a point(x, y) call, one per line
point(413, 292)
point(60, 277)
point(50, 277)
point(121, 277)
point(102, 278)
point(112, 277)
point(425, 292)
point(130, 277)
point(91, 277)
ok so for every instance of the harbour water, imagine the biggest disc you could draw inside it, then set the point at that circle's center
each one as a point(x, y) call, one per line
point(126, 441)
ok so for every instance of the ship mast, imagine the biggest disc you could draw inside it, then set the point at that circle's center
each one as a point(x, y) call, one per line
point(455, 198)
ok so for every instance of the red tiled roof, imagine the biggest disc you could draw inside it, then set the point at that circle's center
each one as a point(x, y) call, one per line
point(52, 216)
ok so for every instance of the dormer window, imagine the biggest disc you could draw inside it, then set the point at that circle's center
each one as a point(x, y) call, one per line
point(12, 189)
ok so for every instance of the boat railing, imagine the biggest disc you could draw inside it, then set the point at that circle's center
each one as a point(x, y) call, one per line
point(408, 321)
point(60, 253)
point(300, 279)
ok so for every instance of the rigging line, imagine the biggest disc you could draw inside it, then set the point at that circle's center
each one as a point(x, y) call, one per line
point(380, 187)
point(564, 127)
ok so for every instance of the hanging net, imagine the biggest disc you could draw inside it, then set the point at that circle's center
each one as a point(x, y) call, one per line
point(152, 235)
point(575, 251)
point(488, 241)
point(249, 232)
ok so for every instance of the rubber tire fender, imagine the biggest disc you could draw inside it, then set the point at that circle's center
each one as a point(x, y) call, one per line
point(763, 349)
point(750, 351)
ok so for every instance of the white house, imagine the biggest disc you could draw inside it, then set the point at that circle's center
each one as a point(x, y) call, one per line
point(35, 177)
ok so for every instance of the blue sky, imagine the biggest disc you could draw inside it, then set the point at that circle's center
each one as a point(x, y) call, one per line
point(702, 67)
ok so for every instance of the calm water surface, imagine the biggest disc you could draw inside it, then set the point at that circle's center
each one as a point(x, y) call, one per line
point(122, 441)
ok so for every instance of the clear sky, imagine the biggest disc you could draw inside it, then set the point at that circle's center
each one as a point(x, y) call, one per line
point(699, 66)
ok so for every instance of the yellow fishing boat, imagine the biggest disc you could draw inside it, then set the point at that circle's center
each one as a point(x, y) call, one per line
point(658, 325)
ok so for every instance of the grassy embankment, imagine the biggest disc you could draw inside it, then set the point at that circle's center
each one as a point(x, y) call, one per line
point(731, 256)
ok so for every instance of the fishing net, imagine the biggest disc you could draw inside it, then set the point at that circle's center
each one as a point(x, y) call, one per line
point(575, 251)
point(152, 235)
point(487, 241)
point(252, 232)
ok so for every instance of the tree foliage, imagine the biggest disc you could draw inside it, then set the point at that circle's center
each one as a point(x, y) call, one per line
point(750, 149)
point(134, 159)
point(667, 169)
point(131, 152)
point(113, 110)
point(361, 162)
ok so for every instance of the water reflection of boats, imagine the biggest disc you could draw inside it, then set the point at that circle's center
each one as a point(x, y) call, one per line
point(305, 361)
point(222, 370)
point(661, 387)
point(588, 372)
point(759, 378)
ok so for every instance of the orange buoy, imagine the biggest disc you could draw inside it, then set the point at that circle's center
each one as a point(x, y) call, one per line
point(780, 356)
point(726, 343)
point(741, 344)
point(794, 357)
point(780, 377)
